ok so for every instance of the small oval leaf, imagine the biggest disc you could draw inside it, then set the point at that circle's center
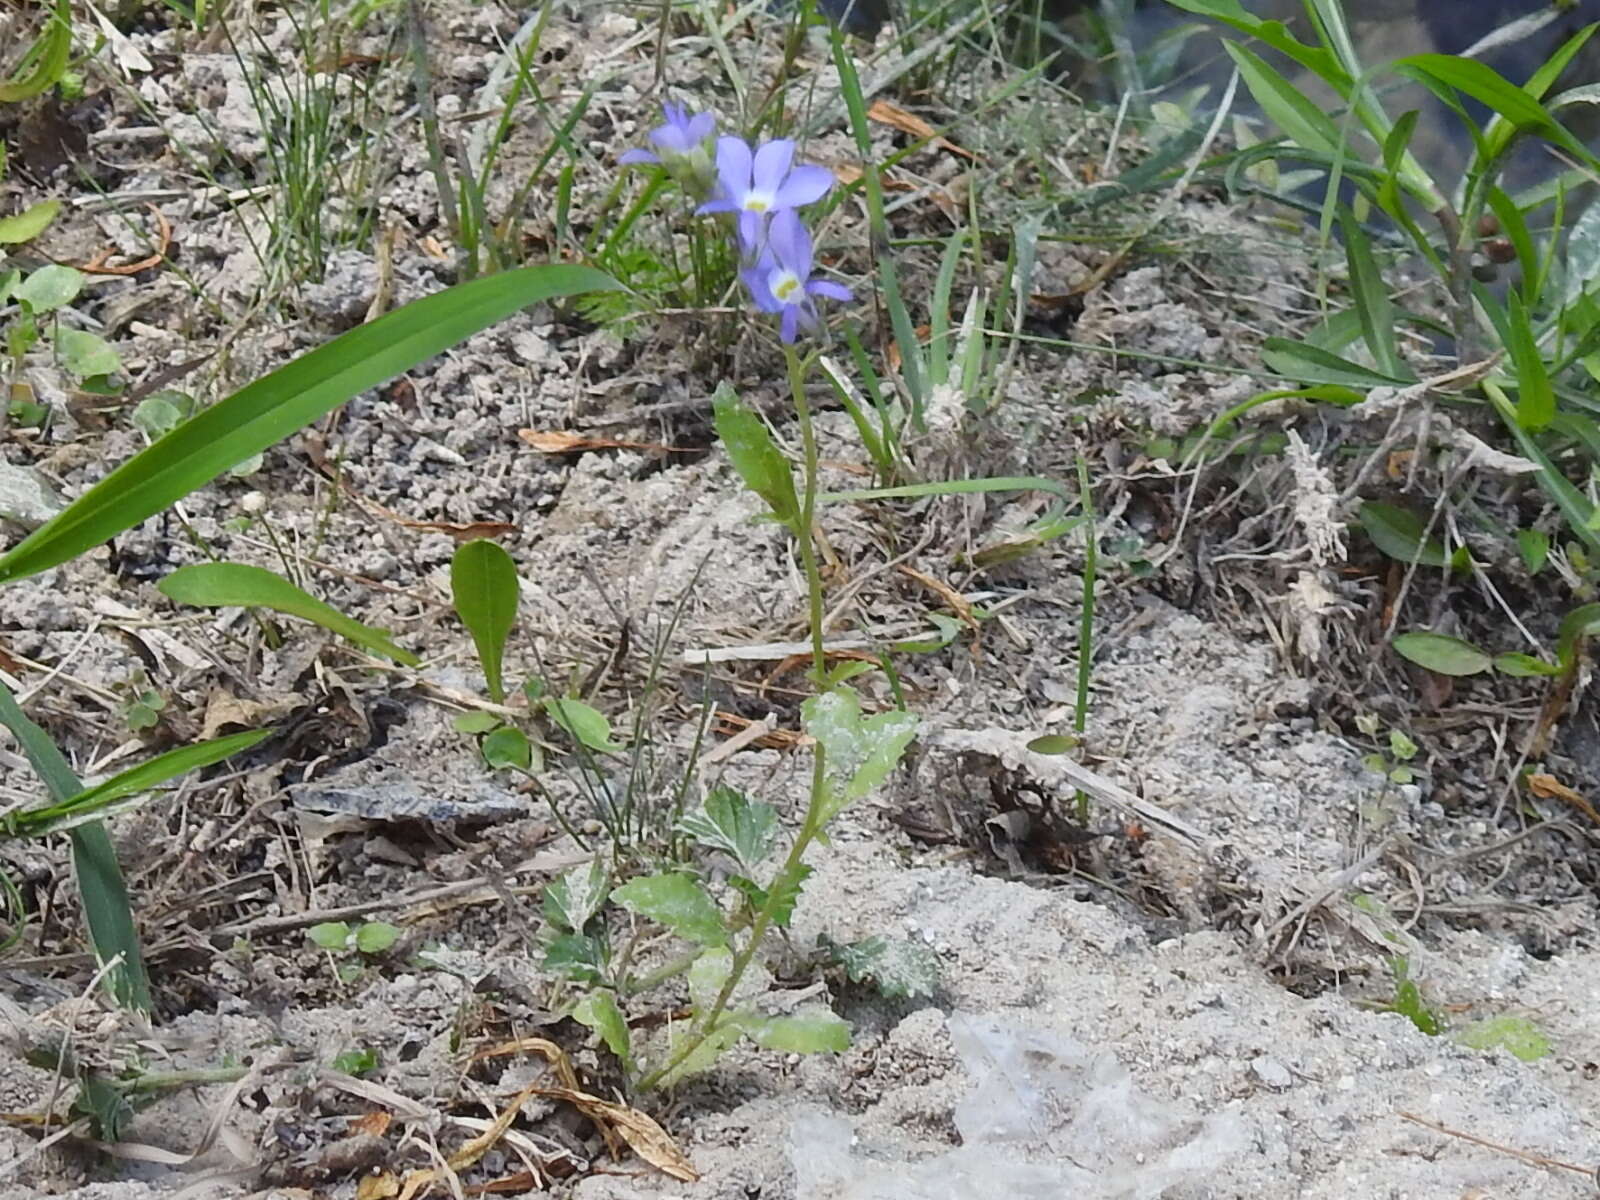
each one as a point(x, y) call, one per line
point(484, 588)
point(1442, 655)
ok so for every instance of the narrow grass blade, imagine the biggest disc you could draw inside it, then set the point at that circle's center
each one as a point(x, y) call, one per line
point(1574, 505)
point(1371, 294)
point(1536, 399)
point(1516, 231)
point(106, 908)
point(484, 588)
point(275, 406)
point(215, 585)
point(1312, 364)
point(1294, 113)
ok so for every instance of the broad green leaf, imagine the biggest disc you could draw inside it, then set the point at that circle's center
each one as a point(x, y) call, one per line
point(374, 937)
point(576, 956)
point(216, 585)
point(571, 901)
point(1371, 295)
point(484, 588)
point(754, 455)
point(587, 724)
point(85, 354)
point(29, 223)
point(1524, 666)
point(899, 968)
point(508, 747)
point(1534, 546)
point(108, 912)
point(1398, 533)
point(858, 754)
point(475, 721)
point(598, 1011)
point(265, 412)
point(1311, 364)
point(93, 802)
point(672, 899)
point(707, 976)
point(43, 65)
point(811, 1030)
point(731, 822)
point(1305, 123)
point(330, 935)
point(49, 288)
point(1441, 654)
point(1518, 1036)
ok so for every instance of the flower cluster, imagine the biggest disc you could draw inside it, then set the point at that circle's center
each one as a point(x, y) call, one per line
point(761, 188)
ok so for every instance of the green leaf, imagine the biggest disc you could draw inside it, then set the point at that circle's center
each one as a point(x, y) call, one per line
point(41, 68)
point(572, 900)
point(1442, 655)
point(576, 956)
point(949, 629)
point(475, 722)
point(1398, 533)
point(731, 822)
point(598, 1011)
point(86, 355)
point(330, 935)
point(858, 754)
point(356, 1062)
point(375, 937)
point(1486, 86)
point(754, 455)
point(899, 968)
point(1516, 1035)
point(1582, 622)
point(1305, 123)
point(672, 899)
point(483, 585)
point(587, 725)
point(811, 1030)
point(784, 894)
point(707, 976)
point(275, 406)
point(1311, 364)
point(702, 1057)
point(49, 288)
point(1534, 546)
point(1371, 295)
point(1524, 666)
point(508, 747)
point(29, 223)
point(1536, 399)
point(214, 585)
point(107, 910)
point(1053, 743)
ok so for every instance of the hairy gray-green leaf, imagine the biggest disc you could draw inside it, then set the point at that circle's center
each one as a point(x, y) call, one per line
point(810, 1030)
point(859, 753)
point(483, 586)
point(678, 902)
point(573, 899)
point(598, 1011)
point(731, 822)
point(897, 967)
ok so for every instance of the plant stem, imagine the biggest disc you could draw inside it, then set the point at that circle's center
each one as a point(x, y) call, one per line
point(815, 807)
point(1091, 570)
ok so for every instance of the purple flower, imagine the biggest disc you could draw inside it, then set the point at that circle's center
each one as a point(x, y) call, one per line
point(756, 183)
point(682, 146)
point(781, 282)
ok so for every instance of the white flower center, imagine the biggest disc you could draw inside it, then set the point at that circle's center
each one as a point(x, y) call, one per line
point(785, 286)
point(758, 202)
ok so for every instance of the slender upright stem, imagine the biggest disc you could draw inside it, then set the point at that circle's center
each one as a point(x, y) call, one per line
point(816, 806)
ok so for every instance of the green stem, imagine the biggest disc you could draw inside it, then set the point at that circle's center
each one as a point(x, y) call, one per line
point(816, 806)
point(1091, 569)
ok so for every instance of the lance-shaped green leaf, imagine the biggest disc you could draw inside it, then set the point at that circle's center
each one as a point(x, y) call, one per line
point(483, 585)
point(217, 585)
point(598, 1010)
point(755, 456)
point(1442, 654)
point(1398, 533)
point(29, 223)
point(858, 753)
point(678, 902)
point(46, 60)
point(265, 412)
point(811, 1030)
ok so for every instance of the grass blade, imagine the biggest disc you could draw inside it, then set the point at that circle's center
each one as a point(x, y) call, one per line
point(214, 585)
point(1371, 295)
point(106, 908)
point(275, 406)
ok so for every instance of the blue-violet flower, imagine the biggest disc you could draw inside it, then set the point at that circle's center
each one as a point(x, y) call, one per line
point(682, 146)
point(780, 281)
point(754, 184)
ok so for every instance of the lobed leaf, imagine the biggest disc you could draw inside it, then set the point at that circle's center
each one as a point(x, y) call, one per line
point(858, 753)
point(731, 822)
point(672, 899)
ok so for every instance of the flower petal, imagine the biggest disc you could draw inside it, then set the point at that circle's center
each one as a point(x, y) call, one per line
point(755, 278)
point(675, 115)
point(772, 164)
point(629, 157)
point(701, 126)
point(789, 323)
point(790, 243)
point(826, 287)
point(733, 167)
point(751, 232)
point(803, 185)
point(718, 204)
